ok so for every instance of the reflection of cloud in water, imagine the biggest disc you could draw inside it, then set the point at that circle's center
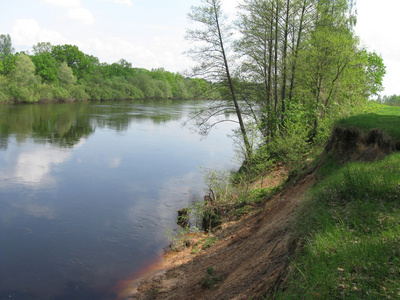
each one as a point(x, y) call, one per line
point(114, 163)
point(34, 167)
point(36, 210)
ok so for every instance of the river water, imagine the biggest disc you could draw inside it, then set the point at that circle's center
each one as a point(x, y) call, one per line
point(88, 190)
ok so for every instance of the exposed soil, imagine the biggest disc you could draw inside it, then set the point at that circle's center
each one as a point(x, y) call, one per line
point(250, 256)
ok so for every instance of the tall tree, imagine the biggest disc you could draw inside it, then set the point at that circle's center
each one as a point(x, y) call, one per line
point(66, 75)
point(25, 71)
point(6, 51)
point(212, 54)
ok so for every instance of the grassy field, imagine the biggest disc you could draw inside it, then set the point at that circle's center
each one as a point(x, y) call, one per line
point(349, 227)
point(381, 116)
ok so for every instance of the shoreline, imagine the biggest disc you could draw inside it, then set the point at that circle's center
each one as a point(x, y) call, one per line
point(178, 275)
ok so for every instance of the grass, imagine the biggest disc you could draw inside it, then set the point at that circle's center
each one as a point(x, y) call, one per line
point(351, 233)
point(382, 116)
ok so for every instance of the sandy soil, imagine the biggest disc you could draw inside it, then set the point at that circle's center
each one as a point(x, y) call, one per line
point(250, 257)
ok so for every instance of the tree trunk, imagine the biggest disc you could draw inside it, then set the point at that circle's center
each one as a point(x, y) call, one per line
point(284, 58)
point(231, 87)
point(296, 50)
point(276, 56)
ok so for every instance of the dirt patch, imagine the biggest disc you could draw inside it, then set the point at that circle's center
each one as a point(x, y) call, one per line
point(353, 144)
point(249, 259)
point(274, 177)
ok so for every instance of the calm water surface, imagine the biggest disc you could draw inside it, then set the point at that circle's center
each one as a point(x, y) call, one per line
point(87, 191)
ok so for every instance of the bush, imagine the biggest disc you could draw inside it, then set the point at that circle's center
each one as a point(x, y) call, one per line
point(78, 92)
point(61, 93)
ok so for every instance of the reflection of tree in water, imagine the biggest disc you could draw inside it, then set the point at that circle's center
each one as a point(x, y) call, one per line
point(66, 124)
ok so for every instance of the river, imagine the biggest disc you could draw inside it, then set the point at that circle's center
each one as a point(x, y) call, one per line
point(88, 190)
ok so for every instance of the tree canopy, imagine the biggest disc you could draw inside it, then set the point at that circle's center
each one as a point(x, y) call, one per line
point(63, 72)
point(287, 58)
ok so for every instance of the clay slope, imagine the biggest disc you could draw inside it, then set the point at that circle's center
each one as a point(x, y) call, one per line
point(250, 258)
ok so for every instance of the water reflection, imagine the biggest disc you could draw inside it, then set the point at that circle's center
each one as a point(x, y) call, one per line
point(87, 191)
point(67, 124)
point(33, 167)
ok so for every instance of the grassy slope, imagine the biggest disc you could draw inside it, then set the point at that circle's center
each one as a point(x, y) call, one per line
point(350, 225)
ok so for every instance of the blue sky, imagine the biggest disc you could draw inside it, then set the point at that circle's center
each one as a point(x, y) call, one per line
point(150, 33)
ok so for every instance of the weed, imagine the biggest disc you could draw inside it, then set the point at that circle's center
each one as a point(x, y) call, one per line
point(180, 237)
point(243, 211)
point(209, 242)
point(210, 279)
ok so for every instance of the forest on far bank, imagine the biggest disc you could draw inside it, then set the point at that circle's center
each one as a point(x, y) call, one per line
point(63, 73)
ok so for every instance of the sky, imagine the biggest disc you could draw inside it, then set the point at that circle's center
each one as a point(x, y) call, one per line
point(150, 33)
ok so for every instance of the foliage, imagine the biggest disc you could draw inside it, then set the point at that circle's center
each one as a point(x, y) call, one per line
point(203, 244)
point(210, 279)
point(6, 54)
point(66, 76)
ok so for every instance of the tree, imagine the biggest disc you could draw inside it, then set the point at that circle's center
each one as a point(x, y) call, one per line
point(6, 51)
point(46, 66)
point(23, 80)
point(376, 70)
point(66, 75)
point(25, 71)
point(212, 56)
point(82, 64)
point(41, 48)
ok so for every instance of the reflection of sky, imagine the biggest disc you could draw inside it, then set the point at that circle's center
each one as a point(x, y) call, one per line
point(32, 165)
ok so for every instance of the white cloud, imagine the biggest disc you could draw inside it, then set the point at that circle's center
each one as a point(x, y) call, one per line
point(229, 7)
point(81, 15)
point(27, 32)
point(76, 11)
point(376, 27)
point(159, 52)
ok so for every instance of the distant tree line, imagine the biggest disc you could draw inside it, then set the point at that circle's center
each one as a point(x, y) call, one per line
point(393, 100)
point(63, 72)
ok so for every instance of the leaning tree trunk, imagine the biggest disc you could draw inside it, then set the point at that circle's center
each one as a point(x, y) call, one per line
point(232, 89)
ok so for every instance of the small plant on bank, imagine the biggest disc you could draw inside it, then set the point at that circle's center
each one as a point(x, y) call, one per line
point(209, 242)
point(211, 279)
point(179, 238)
point(203, 244)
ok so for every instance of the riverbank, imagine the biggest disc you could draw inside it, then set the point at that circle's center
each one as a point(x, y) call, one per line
point(332, 231)
point(236, 250)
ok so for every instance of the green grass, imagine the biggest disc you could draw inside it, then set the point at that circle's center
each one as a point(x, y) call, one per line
point(350, 230)
point(381, 116)
point(349, 227)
